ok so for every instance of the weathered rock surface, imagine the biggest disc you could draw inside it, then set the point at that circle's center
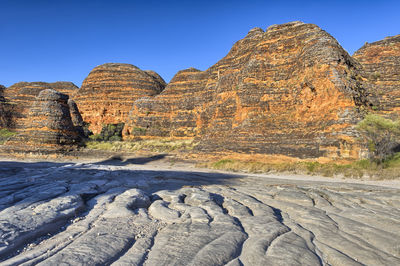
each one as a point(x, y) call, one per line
point(121, 214)
point(291, 90)
point(2, 88)
point(381, 65)
point(21, 97)
point(48, 127)
point(65, 87)
point(108, 93)
point(5, 115)
point(76, 118)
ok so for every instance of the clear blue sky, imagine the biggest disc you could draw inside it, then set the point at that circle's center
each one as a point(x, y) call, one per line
point(52, 40)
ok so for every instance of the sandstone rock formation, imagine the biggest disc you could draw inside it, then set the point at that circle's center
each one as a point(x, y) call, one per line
point(381, 65)
point(76, 118)
point(2, 88)
point(65, 87)
point(22, 95)
point(123, 214)
point(291, 90)
point(48, 127)
point(5, 115)
point(108, 93)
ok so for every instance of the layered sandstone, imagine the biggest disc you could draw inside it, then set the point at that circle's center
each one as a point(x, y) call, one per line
point(5, 116)
point(65, 87)
point(381, 68)
point(21, 96)
point(291, 90)
point(109, 91)
point(76, 118)
point(48, 127)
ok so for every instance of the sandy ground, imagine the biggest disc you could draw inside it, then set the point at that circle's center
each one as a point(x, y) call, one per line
point(166, 164)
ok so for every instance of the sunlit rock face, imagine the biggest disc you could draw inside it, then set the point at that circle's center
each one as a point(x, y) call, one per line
point(21, 97)
point(381, 69)
point(291, 90)
point(109, 91)
point(48, 126)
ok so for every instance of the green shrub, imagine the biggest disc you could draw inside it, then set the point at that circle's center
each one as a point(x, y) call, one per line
point(96, 137)
point(115, 138)
point(375, 76)
point(112, 131)
point(382, 136)
point(139, 130)
point(5, 134)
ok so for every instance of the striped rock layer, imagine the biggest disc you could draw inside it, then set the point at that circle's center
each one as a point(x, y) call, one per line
point(381, 66)
point(4, 109)
point(22, 95)
point(48, 127)
point(108, 93)
point(291, 90)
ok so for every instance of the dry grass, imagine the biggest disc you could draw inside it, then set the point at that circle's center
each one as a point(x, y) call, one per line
point(390, 169)
point(153, 145)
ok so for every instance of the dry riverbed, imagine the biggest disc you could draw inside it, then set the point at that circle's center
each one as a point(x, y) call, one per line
point(147, 211)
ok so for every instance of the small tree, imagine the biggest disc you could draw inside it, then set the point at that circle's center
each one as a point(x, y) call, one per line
point(383, 136)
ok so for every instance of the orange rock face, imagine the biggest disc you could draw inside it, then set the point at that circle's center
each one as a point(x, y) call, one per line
point(48, 126)
point(381, 65)
point(291, 90)
point(108, 93)
point(21, 96)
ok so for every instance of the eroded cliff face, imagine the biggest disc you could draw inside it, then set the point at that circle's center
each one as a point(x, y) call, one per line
point(22, 95)
point(292, 90)
point(381, 68)
point(48, 126)
point(4, 109)
point(109, 91)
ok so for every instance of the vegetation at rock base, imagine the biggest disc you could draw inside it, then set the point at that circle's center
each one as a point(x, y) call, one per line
point(154, 145)
point(389, 169)
point(5, 134)
point(382, 136)
point(109, 132)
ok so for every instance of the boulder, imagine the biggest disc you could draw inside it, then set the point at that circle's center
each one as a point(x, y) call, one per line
point(109, 91)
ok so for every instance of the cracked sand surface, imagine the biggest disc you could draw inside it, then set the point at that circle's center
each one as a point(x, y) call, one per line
point(117, 213)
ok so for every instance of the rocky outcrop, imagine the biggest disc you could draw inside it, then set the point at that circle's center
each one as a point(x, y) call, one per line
point(5, 115)
point(381, 69)
point(2, 88)
point(76, 118)
point(48, 127)
point(175, 111)
point(21, 96)
point(108, 93)
point(291, 90)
